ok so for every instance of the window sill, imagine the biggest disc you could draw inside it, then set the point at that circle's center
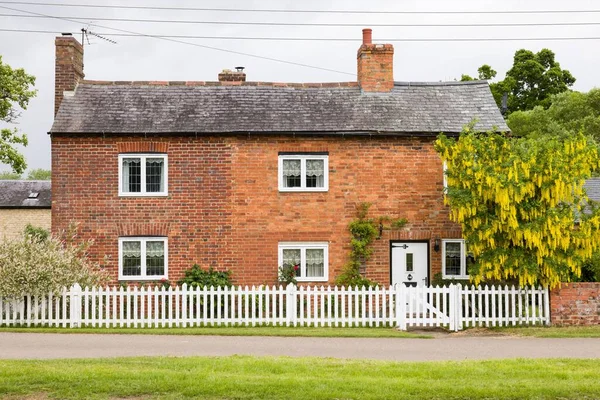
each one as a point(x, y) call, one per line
point(153, 278)
point(143, 194)
point(324, 279)
point(456, 277)
point(302, 190)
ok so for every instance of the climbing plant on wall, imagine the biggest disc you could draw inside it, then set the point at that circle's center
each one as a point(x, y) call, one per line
point(363, 231)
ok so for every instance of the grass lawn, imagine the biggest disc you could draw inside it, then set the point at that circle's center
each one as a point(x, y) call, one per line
point(292, 378)
point(553, 331)
point(238, 331)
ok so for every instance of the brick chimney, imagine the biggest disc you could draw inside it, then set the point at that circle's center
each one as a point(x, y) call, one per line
point(228, 75)
point(375, 65)
point(68, 67)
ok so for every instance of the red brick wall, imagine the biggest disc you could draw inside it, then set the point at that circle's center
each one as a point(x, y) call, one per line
point(576, 304)
point(68, 67)
point(224, 207)
point(375, 67)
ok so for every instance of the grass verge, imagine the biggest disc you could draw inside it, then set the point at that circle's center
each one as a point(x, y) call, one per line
point(237, 331)
point(552, 331)
point(292, 378)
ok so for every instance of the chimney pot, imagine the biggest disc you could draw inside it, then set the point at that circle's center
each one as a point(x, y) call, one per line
point(367, 36)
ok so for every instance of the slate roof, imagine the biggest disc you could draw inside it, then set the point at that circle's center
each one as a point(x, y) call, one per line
point(15, 194)
point(592, 187)
point(251, 107)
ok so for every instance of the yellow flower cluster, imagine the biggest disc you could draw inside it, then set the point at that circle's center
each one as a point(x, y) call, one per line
point(518, 202)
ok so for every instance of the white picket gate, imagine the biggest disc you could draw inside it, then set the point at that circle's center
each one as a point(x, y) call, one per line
point(453, 307)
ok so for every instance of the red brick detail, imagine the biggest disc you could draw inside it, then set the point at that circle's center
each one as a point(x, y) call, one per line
point(143, 229)
point(143, 147)
point(68, 67)
point(227, 76)
point(224, 208)
point(576, 303)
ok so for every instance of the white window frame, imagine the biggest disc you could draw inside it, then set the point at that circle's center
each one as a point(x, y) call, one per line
point(303, 246)
point(143, 157)
point(303, 158)
point(463, 258)
point(143, 240)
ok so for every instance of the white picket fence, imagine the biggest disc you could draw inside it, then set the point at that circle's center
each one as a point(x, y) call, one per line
point(453, 307)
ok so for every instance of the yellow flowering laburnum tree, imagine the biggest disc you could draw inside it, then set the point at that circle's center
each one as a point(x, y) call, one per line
point(521, 204)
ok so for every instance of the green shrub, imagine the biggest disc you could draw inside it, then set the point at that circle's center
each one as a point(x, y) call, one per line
point(590, 270)
point(287, 274)
point(437, 280)
point(37, 233)
point(38, 267)
point(196, 276)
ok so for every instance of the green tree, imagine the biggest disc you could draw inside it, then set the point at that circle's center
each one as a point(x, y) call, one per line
point(485, 73)
point(568, 112)
point(15, 93)
point(532, 80)
point(517, 200)
point(10, 176)
point(39, 174)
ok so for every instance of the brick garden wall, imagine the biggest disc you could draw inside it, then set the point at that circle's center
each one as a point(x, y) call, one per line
point(13, 221)
point(224, 208)
point(576, 303)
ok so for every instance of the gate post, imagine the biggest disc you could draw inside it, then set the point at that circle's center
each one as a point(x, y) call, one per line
point(458, 314)
point(452, 307)
point(75, 307)
point(546, 298)
point(400, 294)
point(290, 305)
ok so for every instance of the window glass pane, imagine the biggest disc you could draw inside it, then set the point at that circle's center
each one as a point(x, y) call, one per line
point(132, 258)
point(154, 175)
point(315, 263)
point(291, 173)
point(315, 173)
point(155, 258)
point(409, 262)
point(453, 258)
point(291, 258)
point(132, 175)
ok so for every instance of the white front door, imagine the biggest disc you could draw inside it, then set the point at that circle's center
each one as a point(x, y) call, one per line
point(410, 263)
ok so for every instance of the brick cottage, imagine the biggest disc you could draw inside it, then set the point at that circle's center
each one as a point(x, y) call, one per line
point(249, 176)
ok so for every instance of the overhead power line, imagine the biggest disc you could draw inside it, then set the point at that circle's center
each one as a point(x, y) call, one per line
point(300, 39)
point(278, 10)
point(182, 42)
point(322, 24)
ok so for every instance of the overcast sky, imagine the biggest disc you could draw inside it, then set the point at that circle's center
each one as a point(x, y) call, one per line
point(139, 58)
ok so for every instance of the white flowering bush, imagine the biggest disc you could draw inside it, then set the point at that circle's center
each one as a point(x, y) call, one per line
point(38, 266)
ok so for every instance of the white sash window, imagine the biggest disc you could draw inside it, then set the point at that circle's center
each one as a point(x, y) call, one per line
point(303, 173)
point(310, 260)
point(143, 175)
point(143, 258)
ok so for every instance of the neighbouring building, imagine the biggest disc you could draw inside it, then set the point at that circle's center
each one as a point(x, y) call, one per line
point(23, 203)
point(248, 176)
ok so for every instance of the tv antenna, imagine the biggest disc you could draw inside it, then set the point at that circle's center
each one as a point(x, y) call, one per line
point(85, 32)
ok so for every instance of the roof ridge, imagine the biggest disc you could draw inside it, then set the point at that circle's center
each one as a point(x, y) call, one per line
point(441, 83)
point(225, 83)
